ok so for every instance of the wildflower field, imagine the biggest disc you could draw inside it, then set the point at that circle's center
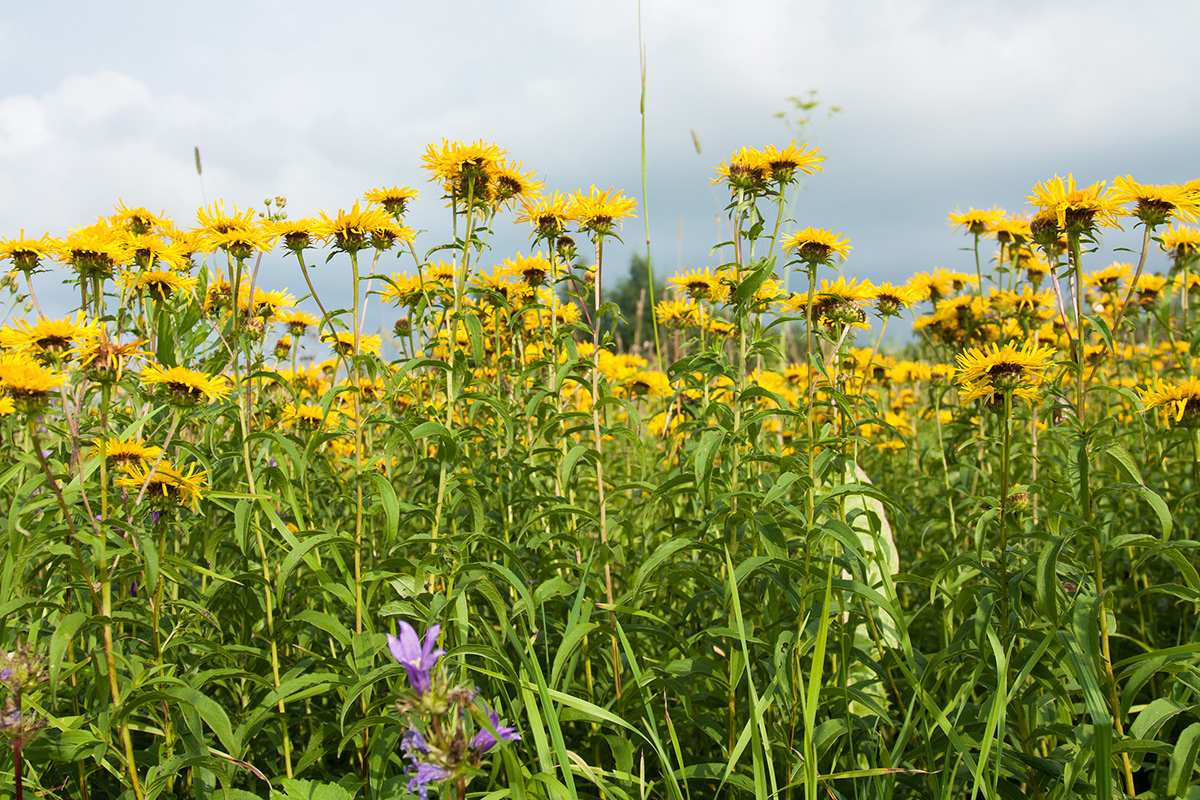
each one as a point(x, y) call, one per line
point(254, 550)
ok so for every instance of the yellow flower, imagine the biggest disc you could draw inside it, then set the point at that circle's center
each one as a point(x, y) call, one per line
point(1011, 230)
point(1181, 243)
point(160, 284)
point(890, 299)
point(549, 215)
point(598, 211)
point(1109, 278)
point(167, 486)
point(700, 285)
point(1077, 209)
point(785, 163)
point(977, 222)
point(402, 290)
point(508, 184)
point(298, 235)
point(1179, 400)
point(214, 219)
point(1157, 205)
point(837, 303)
point(128, 452)
point(51, 337)
point(241, 242)
point(27, 382)
point(990, 370)
point(102, 359)
point(343, 343)
point(351, 231)
point(93, 251)
point(186, 387)
point(747, 169)
point(264, 304)
point(497, 286)
point(1148, 289)
point(645, 383)
point(297, 322)
point(309, 418)
point(678, 314)
point(464, 170)
point(147, 250)
point(138, 221)
point(394, 200)
point(817, 245)
point(27, 254)
point(533, 271)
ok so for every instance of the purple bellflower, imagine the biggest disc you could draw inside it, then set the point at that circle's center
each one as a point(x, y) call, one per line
point(426, 773)
point(485, 741)
point(417, 657)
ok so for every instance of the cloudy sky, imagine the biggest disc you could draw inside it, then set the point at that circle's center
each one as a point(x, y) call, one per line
point(946, 104)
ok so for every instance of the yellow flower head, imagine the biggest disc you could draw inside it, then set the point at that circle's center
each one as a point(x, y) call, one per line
point(1178, 400)
point(138, 221)
point(785, 163)
point(977, 222)
point(394, 200)
point(241, 242)
point(817, 245)
point(747, 169)
point(298, 235)
point(1110, 278)
point(166, 486)
point(597, 211)
point(533, 270)
point(103, 360)
point(27, 254)
point(48, 337)
point(701, 285)
point(127, 453)
point(297, 322)
point(994, 369)
point(214, 219)
point(1011, 230)
point(679, 314)
point(159, 284)
point(1157, 205)
point(94, 250)
point(1182, 243)
point(309, 418)
point(1076, 209)
point(27, 382)
point(185, 387)
point(343, 343)
point(508, 185)
point(645, 383)
point(351, 231)
point(464, 170)
point(890, 300)
point(549, 215)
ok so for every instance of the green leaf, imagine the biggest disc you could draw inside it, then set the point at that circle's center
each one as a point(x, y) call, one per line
point(704, 457)
point(1183, 760)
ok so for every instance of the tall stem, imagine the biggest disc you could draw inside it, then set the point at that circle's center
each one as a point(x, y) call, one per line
point(601, 496)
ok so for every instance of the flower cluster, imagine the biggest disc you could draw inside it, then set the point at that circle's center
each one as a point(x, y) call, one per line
point(439, 744)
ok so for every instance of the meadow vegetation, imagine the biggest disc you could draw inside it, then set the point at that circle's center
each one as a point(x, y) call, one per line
point(252, 549)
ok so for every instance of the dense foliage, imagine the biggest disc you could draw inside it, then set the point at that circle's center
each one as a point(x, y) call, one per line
point(759, 559)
